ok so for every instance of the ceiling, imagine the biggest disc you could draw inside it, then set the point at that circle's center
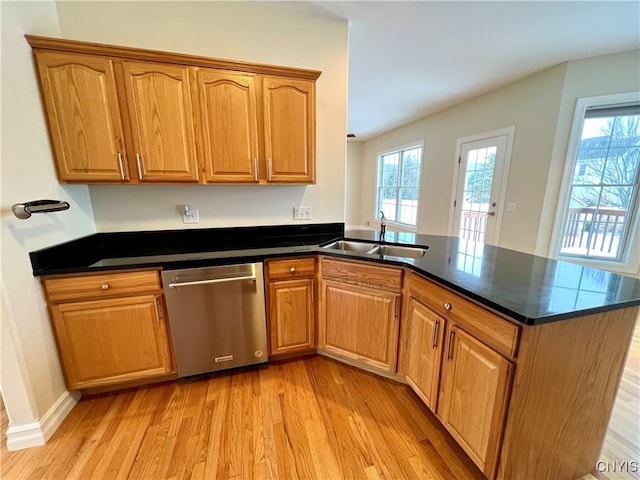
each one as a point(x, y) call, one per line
point(410, 59)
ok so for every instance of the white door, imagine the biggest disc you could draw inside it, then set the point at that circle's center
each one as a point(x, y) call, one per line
point(477, 202)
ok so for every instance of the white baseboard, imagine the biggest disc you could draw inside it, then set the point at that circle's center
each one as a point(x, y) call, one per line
point(37, 433)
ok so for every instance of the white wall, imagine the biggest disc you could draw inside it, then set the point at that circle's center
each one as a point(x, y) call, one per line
point(530, 104)
point(254, 32)
point(31, 380)
point(354, 185)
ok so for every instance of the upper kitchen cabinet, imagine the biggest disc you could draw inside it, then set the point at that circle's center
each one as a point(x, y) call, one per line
point(289, 130)
point(81, 103)
point(126, 115)
point(161, 115)
point(228, 119)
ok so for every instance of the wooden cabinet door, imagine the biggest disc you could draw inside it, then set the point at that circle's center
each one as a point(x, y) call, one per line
point(291, 316)
point(360, 323)
point(424, 332)
point(79, 93)
point(289, 130)
point(161, 117)
point(105, 342)
point(228, 121)
point(474, 391)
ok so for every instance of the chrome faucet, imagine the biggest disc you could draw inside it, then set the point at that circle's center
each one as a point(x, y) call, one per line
point(383, 225)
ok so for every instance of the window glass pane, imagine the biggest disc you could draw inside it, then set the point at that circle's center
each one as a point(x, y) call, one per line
point(590, 165)
point(408, 208)
point(621, 166)
point(625, 131)
point(398, 190)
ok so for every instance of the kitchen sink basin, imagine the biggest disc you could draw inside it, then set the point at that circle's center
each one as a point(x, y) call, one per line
point(351, 246)
point(397, 251)
point(377, 249)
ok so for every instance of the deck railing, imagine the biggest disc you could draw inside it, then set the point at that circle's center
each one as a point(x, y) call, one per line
point(473, 226)
point(593, 231)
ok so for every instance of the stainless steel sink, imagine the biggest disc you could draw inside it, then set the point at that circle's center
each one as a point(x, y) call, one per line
point(376, 249)
point(351, 246)
point(397, 251)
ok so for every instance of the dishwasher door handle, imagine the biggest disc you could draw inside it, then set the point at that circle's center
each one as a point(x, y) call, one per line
point(207, 282)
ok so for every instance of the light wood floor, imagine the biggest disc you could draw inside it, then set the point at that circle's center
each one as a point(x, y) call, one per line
point(307, 418)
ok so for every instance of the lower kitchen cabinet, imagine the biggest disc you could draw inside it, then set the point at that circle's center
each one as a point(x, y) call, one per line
point(103, 342)
point(292, 326)
point(360, 313)
point(474, 391)
point(291, 305)
point(110, 329)
point(461, 377)
point(423, 333)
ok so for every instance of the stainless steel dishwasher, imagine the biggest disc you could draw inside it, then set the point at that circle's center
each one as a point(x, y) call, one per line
point(217, 317)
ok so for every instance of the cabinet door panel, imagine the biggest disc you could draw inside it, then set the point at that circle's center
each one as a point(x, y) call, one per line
point(229, 126)
point(159, 103)
point(474, 392)
point(360, 323)
point(79, 93)
point(289, 130)
point(105, 342)
point(291, 318)
point(424, 334)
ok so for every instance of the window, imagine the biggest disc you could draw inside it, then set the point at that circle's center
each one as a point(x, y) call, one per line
point(601, 199)
point(399, 185)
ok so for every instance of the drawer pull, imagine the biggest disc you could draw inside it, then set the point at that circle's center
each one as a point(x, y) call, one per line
point(105, 286)
point(447, 306)
point(292, 269)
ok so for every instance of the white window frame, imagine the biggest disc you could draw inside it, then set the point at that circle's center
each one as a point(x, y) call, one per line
point(630, 257)
point(379, 155)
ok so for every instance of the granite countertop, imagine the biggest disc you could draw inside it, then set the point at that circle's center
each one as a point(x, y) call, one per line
point(527, 288)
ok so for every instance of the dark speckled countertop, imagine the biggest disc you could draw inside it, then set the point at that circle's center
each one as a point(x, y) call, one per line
point(526, 288)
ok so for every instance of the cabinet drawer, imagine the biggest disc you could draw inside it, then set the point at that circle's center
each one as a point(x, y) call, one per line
point(362, 274)
point(63, 289)
point(484, 325)
point(291, 268)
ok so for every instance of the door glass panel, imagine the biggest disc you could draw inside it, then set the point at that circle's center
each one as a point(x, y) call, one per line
point(476, 198)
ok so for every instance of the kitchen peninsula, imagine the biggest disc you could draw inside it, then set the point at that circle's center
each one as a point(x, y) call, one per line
point(518, 356)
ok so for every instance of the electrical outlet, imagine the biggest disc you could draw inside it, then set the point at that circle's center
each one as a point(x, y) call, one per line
point(511, 206)
point(190, 215)
point(302, 213)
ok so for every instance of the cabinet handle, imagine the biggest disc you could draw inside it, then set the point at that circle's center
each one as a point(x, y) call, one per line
point(434, 338)
point(155, 304)
point(450, 349)
point(120, 165)
point(255, 169)
point(292, 269)
point(395, 308)
point(139, 167)
point(447, 306)
point(104, 286)
point(312, 289)
point(270, 168)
